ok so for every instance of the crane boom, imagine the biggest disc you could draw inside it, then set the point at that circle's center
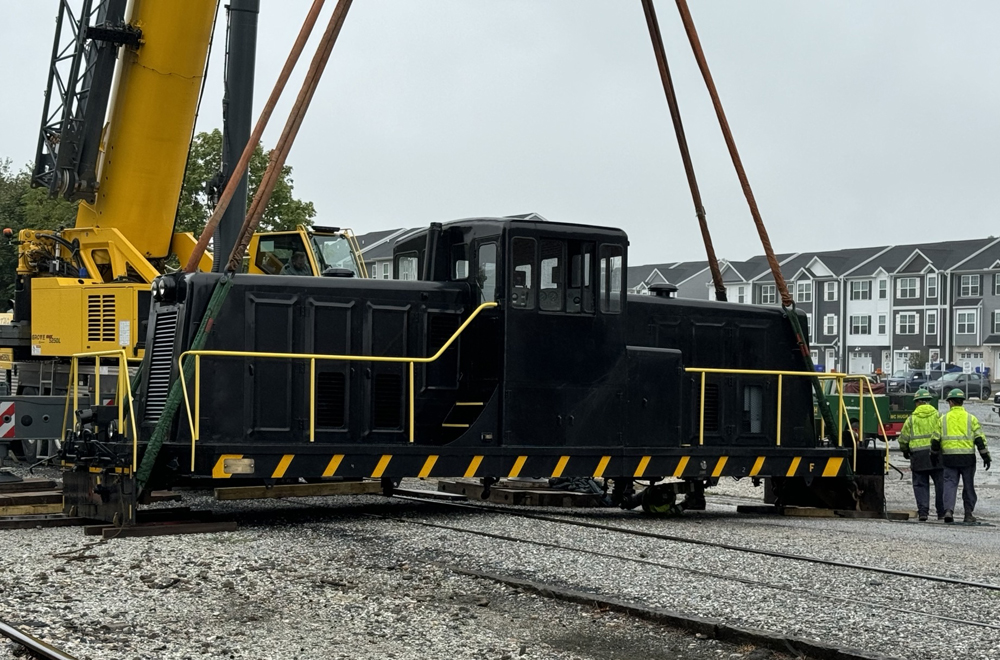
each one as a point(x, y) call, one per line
point(151, 119)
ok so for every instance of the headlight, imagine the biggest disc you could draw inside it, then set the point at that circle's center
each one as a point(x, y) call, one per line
point(161, 287)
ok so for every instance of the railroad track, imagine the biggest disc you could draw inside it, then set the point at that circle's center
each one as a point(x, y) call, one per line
point(811, 593)
point(34, 645)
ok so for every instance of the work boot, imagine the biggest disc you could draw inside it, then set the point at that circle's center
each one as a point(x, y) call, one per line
point(922, 517)
point(969, 518)
point(949, 516)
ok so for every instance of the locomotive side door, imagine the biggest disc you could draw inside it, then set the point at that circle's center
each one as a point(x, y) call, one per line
point(564, 367)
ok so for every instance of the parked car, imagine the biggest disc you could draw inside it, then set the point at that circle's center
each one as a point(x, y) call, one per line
point(974, 385)
point(909, 380)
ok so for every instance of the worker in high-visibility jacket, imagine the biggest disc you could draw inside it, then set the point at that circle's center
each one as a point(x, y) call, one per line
point(919, 430)
point(961, 435)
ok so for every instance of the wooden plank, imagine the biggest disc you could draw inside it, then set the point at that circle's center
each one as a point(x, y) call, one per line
point(43, 497)
point(30, 509)
point(164, 496)
point(298, 490)
point(46, 520)
point(26, 485)
point(164, 529)
point(430, 494)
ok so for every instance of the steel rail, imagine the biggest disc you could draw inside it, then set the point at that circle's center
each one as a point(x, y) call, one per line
point(711, 544)
point(686, 569)
point(36, 646)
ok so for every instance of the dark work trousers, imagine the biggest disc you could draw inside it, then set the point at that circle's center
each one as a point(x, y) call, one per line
point(951, 475)
point(922, 491)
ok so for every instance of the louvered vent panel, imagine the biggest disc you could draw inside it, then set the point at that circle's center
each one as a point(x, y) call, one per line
point(160, 363)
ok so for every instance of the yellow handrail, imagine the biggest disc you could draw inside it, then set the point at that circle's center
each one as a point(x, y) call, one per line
point(841, 408)
point(123, 391)
point(194, 422)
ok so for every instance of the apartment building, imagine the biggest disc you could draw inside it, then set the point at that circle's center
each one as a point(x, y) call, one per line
point(875, 308)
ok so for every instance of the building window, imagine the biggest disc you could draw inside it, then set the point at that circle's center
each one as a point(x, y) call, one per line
point(906, 323)
point(932, 285)
point(386, 270)
point(861, 325)
point(907, 287)
point(804, 291)
point(931, 323)
point(996, 284)
point(406, 266)
point(971, 355)
point(966, 324)
point(741, 296)
point(831, 291)
point(768, 294)
point(969, 287)
point(996, 323)
point(830, 324)
point(883, 289)
point(881, 323)
point(861, 290)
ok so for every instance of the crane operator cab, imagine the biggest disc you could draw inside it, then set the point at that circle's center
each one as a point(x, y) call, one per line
point(326, 251)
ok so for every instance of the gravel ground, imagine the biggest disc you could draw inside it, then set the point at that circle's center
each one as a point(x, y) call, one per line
point(365, 579)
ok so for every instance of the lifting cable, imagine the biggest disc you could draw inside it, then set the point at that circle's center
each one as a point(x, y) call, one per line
point(787, 303)
point(265, 114)
point(675, 115)
point(261, 198)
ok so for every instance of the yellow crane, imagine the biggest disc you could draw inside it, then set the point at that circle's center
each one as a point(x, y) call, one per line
point(123, 94)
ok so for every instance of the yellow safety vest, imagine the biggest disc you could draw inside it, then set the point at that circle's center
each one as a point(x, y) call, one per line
point(959, 431)
point(920, 429)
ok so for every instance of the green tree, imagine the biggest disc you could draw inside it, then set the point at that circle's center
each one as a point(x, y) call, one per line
point(24, 207)
point(283, 210)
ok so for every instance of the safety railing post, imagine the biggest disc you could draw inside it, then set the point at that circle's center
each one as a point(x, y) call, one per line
point(412, 413)
point(701, 413)
point(777, 433)
point(118, 396)
point(197, 398)
point(312, 400)
point(861, 408)
point(97, 400)
point(840, 412)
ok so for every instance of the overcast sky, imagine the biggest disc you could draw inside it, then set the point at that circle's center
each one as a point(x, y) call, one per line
point(859, 123)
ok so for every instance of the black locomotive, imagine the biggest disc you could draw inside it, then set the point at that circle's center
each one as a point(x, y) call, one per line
point(558, 373)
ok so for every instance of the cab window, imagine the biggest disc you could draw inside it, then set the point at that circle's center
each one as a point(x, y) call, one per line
point(460, 262)
point(550, 271)
point(407, 266)
point(610, 272)
point(486, 272)
point(275, 252)
point(522, 261)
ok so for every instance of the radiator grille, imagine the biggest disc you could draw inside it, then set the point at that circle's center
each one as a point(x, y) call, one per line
point(101, 318)
point(331, 393)
point(160, 363)
point(711, 407)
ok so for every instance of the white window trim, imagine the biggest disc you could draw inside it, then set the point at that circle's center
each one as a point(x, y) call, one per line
point(859, 325)
point(857, 292)
point(915, 288)
point(931, 278)
point(931, 320)
point(974, 313)
point(883, 289)
point(768, 294)
point(883, 323)
point(830, 324)
point(996, 323)
point(830, 292)
point(973, 280)
point(908, 316)
point(804, 294)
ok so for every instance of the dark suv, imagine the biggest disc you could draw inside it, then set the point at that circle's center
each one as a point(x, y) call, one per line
point(908, 381)
point(974, 385)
